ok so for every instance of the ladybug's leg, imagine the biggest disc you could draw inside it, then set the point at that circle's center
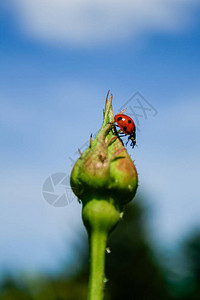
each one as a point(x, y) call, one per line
point(133, 143)
point(120, 133)
point(113, 128)
point(115, 137)
point(128, 140)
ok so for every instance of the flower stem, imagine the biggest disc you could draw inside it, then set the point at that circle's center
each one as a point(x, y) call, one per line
point(100, 217)
point(98, 241)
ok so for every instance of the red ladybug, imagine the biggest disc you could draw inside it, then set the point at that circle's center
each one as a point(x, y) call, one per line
point(127, 126)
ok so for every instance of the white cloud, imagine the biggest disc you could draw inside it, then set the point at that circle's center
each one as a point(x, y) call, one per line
point(83, 23)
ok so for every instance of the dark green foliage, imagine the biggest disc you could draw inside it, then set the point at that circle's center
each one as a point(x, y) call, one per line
point(192, 254)
point(131, 268)
point(10, 290)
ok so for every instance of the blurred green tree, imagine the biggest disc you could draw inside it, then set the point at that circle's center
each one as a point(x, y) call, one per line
point(192, 254)
point(132, 269)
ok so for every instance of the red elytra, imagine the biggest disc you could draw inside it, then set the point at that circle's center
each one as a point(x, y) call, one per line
point(127, 126)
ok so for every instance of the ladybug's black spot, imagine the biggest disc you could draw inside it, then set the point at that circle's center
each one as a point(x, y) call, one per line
point(119, 119)
point(129, 121)
point(124, 128)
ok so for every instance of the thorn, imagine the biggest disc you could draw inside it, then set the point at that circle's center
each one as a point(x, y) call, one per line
point(80, 152)
point(91, 140)
point(107, 96)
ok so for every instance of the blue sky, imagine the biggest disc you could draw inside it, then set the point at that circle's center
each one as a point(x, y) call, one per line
point(57, 62)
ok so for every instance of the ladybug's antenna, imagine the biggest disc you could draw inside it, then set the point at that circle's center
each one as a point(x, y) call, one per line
point(121, 112)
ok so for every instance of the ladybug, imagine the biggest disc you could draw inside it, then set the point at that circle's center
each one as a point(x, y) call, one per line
point(127, 126)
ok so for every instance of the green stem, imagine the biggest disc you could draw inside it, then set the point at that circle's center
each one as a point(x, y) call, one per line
point(98, 241)
point(100, 217)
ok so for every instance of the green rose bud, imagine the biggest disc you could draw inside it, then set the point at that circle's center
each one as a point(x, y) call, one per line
point(105, 170)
